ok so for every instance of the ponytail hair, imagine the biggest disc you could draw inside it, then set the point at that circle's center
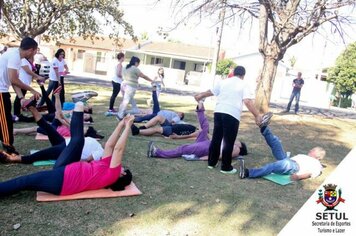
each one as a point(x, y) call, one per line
point(133, 61)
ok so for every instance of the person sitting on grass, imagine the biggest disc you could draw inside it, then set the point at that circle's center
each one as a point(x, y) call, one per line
point(198, 150)
point(92, 149)
point(170, 116)
point(70, 175)
point(299, 167)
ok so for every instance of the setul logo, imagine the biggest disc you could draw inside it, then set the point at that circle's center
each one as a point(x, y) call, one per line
point(330, 198)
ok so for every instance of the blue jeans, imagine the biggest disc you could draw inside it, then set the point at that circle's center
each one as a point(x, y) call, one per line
point(283, 165)
point(155, 109)
point(296, 95)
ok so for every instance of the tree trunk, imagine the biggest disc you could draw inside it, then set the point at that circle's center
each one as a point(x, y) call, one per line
point(265, 84)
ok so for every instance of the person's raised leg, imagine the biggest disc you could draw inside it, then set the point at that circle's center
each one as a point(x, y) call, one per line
point(156, 108)
point(274, 143)
point(73, 150)
point(157, 120)
point(204, 123)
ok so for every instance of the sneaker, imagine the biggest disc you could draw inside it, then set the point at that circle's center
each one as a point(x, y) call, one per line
point(190, 157)
point(212, 167)
point(242, 169)
point(15, 118)
point(151, 150)
point(112, 111)
point(229, 172)
point(266, 119)
point(119, 118)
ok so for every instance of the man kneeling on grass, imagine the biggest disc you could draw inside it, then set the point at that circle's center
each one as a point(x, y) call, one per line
point(299, 167)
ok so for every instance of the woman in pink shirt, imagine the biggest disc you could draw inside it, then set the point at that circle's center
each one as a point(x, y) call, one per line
point(70, 175)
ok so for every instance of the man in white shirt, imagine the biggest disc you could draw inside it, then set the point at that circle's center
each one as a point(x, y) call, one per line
point(10, 63)
point(231, 93)
point(299, 167)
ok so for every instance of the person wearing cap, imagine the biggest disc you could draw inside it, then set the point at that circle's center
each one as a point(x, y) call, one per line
point(198, 150)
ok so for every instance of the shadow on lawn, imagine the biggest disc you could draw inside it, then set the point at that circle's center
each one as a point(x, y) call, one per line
point(181, 197)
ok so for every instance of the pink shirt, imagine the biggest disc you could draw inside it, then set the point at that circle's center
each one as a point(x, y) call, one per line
point(82, 176)
point(63, 130)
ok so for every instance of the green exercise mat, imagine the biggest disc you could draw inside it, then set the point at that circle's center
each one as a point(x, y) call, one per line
point(44, 163)
point(278, 179)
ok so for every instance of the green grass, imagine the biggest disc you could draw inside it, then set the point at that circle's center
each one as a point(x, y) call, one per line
point(180, 197)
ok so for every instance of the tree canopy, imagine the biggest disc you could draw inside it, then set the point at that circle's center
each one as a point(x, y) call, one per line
point(55, 19)
point(343, 74)
point(223, 66)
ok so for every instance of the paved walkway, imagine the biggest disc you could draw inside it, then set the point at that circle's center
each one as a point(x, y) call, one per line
point(186, 90)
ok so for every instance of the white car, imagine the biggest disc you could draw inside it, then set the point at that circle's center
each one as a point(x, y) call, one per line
point(44, 70)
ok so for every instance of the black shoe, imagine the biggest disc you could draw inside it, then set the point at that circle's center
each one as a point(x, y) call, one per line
point(10, 149)
point(23, 118)
point(266, 119)
point(135, 130)
point(91, 132)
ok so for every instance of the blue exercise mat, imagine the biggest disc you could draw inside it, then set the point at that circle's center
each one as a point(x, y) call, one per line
point(278, 179)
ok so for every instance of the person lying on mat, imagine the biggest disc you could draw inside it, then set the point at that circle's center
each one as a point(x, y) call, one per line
point(92, 149)
point(70, 175)
point(299, 167)
point(60, 123)
point(198, 150)
point(170, 116)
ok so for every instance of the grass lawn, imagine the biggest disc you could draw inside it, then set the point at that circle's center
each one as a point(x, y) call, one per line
point(180, 197)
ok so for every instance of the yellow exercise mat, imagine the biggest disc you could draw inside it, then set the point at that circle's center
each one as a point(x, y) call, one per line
point(130, 190)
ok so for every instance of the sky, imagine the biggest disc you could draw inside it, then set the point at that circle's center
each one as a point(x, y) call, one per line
point(146, 17)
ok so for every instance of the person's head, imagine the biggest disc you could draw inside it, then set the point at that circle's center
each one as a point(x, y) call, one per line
point(317, 152)
point(299, 75)
point(239, 71)
point(160, 72)
point(135, 61)
point(28, 47)
point(120, 57)
point(181, 115)
point(60, 54)
point(124, 180)
point(239, 149)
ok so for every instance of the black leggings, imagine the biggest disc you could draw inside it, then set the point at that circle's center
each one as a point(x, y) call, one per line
point(115, 91)
point(225, 128)
point(51, 180)
point(51, 153)
point(17, 103)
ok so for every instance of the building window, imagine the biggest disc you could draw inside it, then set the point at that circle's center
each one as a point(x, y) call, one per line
point(199, 67)
point(80, 54)
point(179, 65)
point(156, 60)
point(100, 57)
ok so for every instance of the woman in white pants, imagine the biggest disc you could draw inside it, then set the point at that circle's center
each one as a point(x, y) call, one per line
point(131, 76)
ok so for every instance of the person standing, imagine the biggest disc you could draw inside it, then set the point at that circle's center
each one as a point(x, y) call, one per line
point(116, 81)
point(231, 94)
point(26, 74)
point(56, 73)
point(131, 76)
point(297, 87)
point(38, 59)
point(10, 63)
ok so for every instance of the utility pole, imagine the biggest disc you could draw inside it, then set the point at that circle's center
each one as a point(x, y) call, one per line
point(219, 31)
